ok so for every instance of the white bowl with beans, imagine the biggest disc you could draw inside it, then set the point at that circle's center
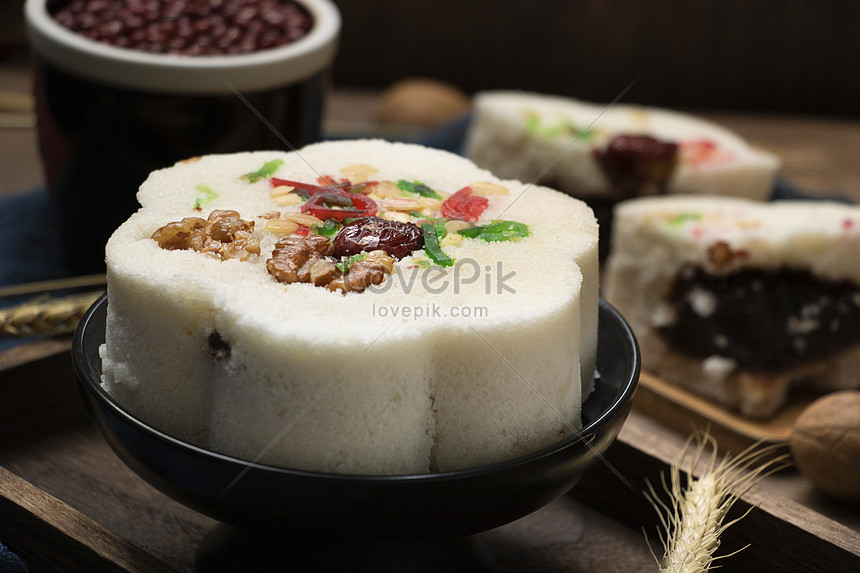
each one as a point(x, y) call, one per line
point(196, 70)
point(125, 87)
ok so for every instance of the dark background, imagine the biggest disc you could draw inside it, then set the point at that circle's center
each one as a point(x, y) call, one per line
point(780, 56)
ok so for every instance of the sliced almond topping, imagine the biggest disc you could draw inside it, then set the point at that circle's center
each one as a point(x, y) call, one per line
point(387, 190)
point(281, 227)
point(488, 189)
point(430, 203)
point(302, 219)
point(280, 190)
point(400, 204)
point(451, 239)
point(358, 173)
point(288, 199)
point(454, 225)
point(396, 216)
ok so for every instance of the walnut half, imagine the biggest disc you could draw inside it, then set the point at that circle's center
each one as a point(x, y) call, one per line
point(224, 233)
point(307, 260)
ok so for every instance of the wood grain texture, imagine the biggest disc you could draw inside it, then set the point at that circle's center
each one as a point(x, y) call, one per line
point(51, 536)
point(46, 438)
point(67, 501)
point(685, 412)
point(782, 535)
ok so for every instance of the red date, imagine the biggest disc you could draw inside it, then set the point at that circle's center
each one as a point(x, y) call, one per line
point(638, 164)
point(375, 233)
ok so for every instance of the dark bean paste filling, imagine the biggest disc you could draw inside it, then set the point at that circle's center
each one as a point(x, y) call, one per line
point(767, 321)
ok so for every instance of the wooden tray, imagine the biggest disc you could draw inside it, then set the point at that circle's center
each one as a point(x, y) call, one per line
point(684, 411)
point(68, 504)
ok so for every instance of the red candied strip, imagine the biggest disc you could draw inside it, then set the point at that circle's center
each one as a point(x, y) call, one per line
point(464, 205)
point(309, 187)
point(318, 206)
point(700, 151)
point(302, 231)
point(326, 184)
point(329, 181)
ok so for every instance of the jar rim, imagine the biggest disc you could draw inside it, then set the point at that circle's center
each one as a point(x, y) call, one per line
point(216, 74)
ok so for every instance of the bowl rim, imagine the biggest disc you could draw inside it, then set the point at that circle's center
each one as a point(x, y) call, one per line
point(620, 402)
point(217, 74)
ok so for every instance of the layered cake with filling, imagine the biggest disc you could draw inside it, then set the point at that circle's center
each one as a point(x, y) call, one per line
point(604, 154)
point(738, 300)
point(356, 307)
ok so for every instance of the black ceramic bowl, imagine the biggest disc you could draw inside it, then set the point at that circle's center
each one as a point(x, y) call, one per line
point(374, 508)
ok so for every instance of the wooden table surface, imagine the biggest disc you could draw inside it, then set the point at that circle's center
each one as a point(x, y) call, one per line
point(819, 156)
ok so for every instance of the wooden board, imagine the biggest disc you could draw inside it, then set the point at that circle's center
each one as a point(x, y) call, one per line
point(68, 504)
point(779, 534)
point(685, 412)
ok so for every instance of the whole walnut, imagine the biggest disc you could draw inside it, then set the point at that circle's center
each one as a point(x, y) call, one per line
point(421, 102)
point(825, 443)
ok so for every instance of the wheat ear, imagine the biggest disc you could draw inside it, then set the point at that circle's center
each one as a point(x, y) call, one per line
point(46, 316)
point(694, 518)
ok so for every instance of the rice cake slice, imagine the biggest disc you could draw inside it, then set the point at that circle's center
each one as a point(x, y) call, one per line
point(738, 300)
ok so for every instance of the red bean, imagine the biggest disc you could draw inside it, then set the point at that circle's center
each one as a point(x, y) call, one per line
point(187, 27)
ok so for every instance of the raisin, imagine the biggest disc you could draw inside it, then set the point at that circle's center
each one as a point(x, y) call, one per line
point(375, 233)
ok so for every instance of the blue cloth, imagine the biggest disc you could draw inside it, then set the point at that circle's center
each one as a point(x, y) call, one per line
point(29, 243)
point(10, 563)
point(29, 247)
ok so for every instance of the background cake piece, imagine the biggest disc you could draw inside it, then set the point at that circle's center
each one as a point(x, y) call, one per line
point(439, 368)
point(605, 154)
point(739, 300)
point(552, 139)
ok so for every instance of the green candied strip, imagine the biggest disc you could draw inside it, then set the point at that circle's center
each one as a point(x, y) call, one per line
point(417, 188)
point(497, 232)
point(328, 229)
point(432, 248)
point(533, 123)
point(267, 170)
point(422, 263)
point(563, 127)
point(206, 195)
point(344, 264)
point(681, 218)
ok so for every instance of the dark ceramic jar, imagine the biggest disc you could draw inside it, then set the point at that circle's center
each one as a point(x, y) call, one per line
point(108, 115)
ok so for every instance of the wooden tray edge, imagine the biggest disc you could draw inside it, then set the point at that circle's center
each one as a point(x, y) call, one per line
point(76, 542)
point(783, 535)
point(69, 540)
point(686, 412)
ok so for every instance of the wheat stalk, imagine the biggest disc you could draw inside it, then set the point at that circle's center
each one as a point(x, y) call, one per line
point(693, 519)
point(46, 316)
